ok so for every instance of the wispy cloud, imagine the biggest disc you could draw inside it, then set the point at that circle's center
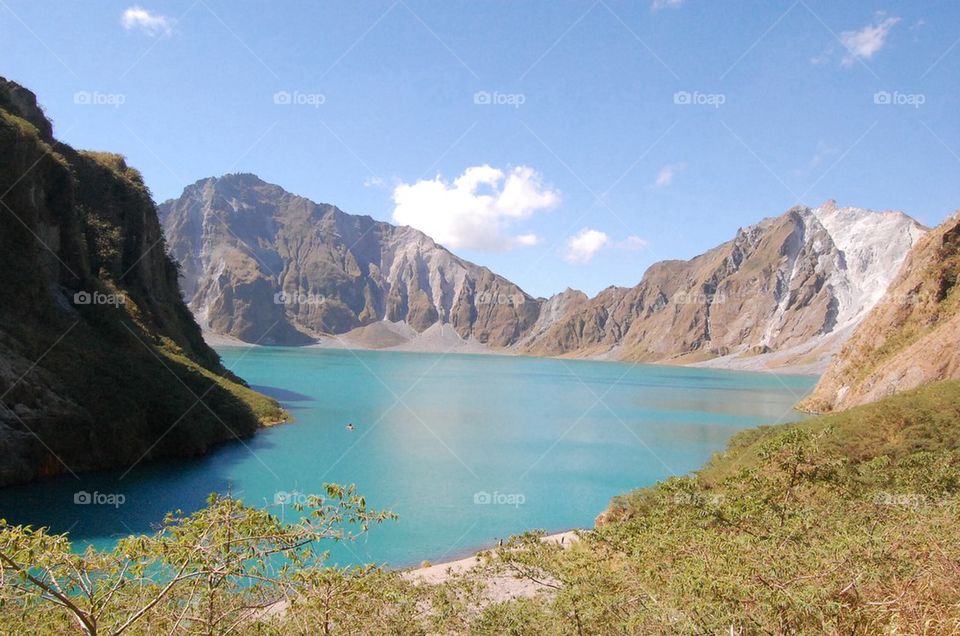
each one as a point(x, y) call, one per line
point(824, 151)
point(632, 243)
point(475, 210)
point(864, 43)
point(666, 4)
point(587, 243)
point(584, 245)
point(667, 173)
point(153, 24)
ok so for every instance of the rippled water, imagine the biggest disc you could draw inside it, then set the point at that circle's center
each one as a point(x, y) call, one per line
point(466, 449)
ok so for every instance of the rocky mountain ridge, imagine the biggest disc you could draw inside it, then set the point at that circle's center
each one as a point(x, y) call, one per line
point(787, 284)
point(263, 265)
point(786, 291)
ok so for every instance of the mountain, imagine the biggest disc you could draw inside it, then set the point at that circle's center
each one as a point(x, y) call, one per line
point(912, 336)
point(785, 291)
point(263, 265)
point(101, 363)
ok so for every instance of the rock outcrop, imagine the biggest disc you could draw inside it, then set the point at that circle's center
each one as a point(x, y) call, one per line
point(101, 363)
point(786, 284)
point(912, 336)
point(263, 265)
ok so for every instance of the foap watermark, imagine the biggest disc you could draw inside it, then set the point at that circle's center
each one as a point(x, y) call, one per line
point(298, 298)
point(496, 98)
point(903, 500)
point(96, 498)
point(98, 298)
point(297, 98)
point(497, 298)
point(696, 98)
point(484, 498)
point(699, 298)
point(293, 498)
point(96, 98)
point(896, 98)
point(697, 499)
point(905, 300)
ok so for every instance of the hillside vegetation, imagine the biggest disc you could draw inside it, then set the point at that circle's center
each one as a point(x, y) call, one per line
point(101, 363)
point(842, 524)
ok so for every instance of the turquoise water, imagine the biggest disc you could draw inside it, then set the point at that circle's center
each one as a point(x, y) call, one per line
point(548, 442)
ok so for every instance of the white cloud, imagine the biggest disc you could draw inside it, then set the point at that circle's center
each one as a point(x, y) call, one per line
point(153, 24)
point(527, 239)
point(667, 173)
point(823, 57)
point(632, 243)
point(666, 4)
point(584, 245)
point(374, 182)
point(865, 43)
point(476, 209)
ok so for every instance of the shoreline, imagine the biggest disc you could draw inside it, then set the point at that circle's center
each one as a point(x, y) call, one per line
point(497, 587)
point(471, 553)
point(220, 341)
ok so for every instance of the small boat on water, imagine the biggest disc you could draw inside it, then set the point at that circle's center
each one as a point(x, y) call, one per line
point(350, 426)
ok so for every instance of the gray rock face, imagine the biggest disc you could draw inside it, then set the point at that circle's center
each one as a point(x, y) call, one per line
point(264, 265)
point(910, 338)
point(787, 284)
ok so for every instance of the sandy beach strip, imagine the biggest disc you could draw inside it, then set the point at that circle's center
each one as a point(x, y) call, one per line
point(500, 587)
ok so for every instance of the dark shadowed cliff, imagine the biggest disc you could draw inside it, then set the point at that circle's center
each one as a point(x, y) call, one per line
point(101, 363)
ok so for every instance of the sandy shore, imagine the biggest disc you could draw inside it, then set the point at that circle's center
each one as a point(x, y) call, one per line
point(810, 358)
point(500, 587)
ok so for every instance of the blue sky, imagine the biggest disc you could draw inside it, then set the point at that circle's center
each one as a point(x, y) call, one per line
point(560, 143)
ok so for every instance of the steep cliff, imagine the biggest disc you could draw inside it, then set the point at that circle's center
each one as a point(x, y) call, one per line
point(912, 336)
point(786, 284)
point(101, 363)
point(263, 265)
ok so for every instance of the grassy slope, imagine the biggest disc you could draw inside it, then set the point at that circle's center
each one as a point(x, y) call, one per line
point(846, 523)
point(924, 420)
point(266, 409)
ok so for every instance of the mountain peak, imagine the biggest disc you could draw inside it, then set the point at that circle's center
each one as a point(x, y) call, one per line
point(22, 102)
point(254, 242)
point(829, 205)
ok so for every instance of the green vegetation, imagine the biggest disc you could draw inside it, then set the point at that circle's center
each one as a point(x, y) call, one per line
point(843, 524)
point(266, 409)
point(104, 365)
point(226, 569)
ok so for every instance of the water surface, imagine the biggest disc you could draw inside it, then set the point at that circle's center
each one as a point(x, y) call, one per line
point(546, 442)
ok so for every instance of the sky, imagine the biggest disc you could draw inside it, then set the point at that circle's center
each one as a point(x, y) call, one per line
point(562, 144)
